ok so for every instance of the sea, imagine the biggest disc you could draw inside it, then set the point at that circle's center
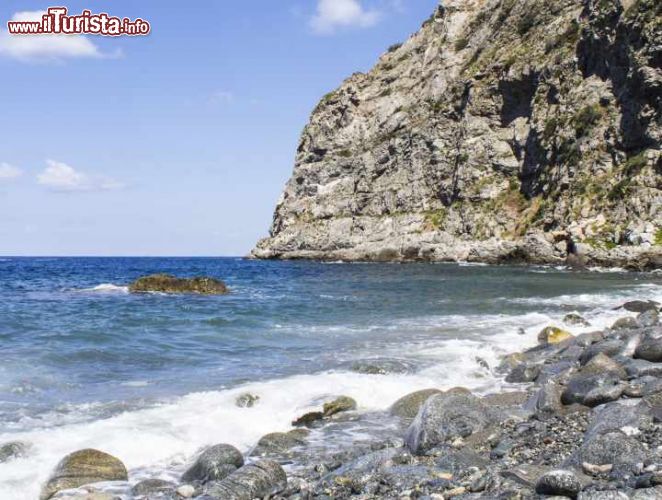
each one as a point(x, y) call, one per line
point(153, 378)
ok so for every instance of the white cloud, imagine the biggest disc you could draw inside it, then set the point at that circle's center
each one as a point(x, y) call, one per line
point(221, 97)
point(45, 47)
point(333, 14)
point(8, 171)
point(62, 177)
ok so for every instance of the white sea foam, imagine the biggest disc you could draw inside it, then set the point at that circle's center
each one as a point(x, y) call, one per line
point(158, 441)
point(107, 288)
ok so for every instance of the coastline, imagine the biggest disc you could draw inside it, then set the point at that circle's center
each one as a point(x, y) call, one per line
point(536, 249)
point(500, 445)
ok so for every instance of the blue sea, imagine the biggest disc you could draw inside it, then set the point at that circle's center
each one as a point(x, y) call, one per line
point(152, 378)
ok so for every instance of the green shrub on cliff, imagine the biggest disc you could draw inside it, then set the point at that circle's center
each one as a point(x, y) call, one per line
point(586, 119)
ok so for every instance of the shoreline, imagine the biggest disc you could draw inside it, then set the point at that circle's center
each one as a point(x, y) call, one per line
point(503, 443)
point(499, 252)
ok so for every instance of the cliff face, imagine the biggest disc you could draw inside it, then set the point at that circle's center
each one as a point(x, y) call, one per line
point(498, 130)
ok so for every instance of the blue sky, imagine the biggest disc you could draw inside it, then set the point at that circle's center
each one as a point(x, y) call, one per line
point(178, 143)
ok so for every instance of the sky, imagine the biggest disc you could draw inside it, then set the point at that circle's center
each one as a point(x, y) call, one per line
point(178, 143)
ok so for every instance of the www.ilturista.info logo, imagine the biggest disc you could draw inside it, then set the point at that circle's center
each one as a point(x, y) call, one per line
point(56, 21)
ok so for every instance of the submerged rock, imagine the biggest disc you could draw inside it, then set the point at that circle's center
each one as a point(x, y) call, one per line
point(259, 480)
point(382, 366)
point(83, 467)
point(214, 463)
point(12, 450)
point(247, 400)
point(409, 405)
point(165, 283)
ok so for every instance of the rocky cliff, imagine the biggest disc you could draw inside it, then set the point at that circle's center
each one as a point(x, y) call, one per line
point(502, 131)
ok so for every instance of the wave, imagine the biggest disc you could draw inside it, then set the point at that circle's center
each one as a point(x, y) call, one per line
point(159, 440)
point(106, 288)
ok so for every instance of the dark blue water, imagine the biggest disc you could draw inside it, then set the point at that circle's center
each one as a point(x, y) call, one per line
point(65, 341)
point(73, 341)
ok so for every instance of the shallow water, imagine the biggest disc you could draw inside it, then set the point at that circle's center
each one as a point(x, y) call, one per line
point(151, 378)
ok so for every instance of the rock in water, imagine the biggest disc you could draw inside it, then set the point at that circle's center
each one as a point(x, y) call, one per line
point(343, 403)
point(308, 419)
point(408, 406)
point(575, 319)
point(444, 417)
point(258, 480)
point(640, 306)
point(278, 442)
point(153, 488)
point(457, 146)
point(553, 335)
point(164, 283)
point(83, 467)
point(214, 464)
point(14, 449)
point(247, 400)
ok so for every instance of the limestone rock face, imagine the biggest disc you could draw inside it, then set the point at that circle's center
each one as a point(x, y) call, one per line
point(501, 131)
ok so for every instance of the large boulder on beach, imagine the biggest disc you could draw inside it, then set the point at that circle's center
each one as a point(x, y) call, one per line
point(642, 368)
point(559, 482)
point(259, 480)
point(279, 442)
point(649, 349)
point(580, 385)
point(601, 363)
point(215, 463)
point(610, 348)
point(165, 283)
point(83, 467)
point(553, 335)
point(409, 405)
point(444, 417)
point(612, 448)
point(524, 372)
